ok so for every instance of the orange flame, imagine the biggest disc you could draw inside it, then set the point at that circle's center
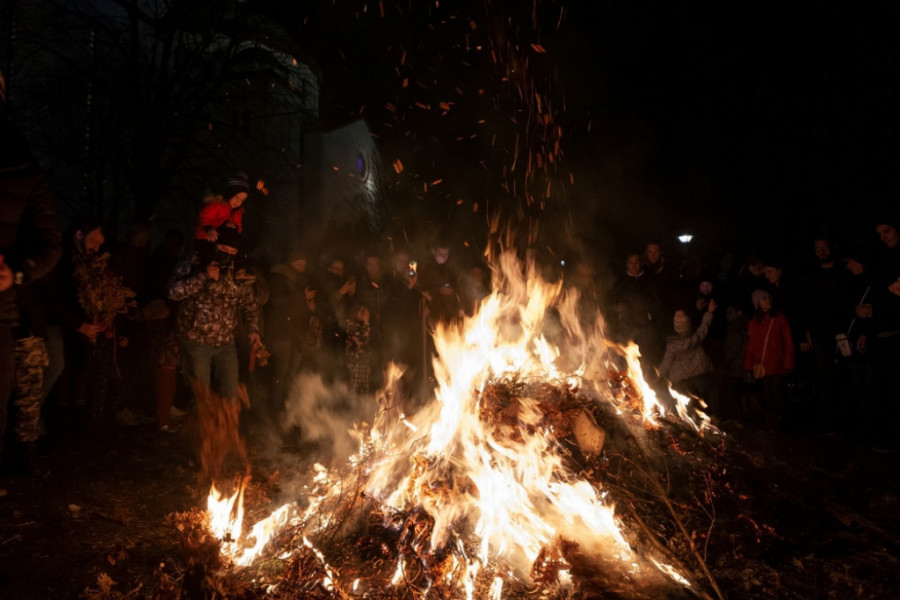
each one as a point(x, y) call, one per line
point(507, 487)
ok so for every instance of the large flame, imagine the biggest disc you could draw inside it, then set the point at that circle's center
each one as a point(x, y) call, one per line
point(496, 496)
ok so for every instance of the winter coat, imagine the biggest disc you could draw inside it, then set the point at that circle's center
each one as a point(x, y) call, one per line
point(215, 214)
point(685, 356)
point(208, 310)
point(779, 350)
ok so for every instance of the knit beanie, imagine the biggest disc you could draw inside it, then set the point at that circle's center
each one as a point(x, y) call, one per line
point(757, 297)
point(235, 186)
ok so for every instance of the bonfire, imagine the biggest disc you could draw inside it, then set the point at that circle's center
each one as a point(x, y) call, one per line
point(543, 466)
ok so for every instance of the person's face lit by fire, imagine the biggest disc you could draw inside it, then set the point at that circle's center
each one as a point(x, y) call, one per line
point(765, 303)
point(477, 276)
point(633, 265)
point(92, 240)
point(681, 322)
point(757, 269)
point(373, 268)
point(772, 274)
point(299, 265)
point(706, 288)
point(653, 253)
point(237, 200)
point(441, 255)
point(336, 268)
point(823, 251)
point(584, 276)
point(889, 235)
point(401, 263)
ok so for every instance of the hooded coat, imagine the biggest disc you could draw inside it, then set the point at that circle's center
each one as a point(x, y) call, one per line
point(685, 356)
point(774, 347)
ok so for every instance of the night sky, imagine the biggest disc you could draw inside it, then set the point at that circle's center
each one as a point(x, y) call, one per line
point(750, 125)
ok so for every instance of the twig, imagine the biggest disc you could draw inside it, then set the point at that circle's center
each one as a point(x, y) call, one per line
point(712, 516)
point(654, 541)
point(663, 495)
point(687, 536)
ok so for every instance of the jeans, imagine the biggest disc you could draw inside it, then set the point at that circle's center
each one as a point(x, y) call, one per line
point(213, 368)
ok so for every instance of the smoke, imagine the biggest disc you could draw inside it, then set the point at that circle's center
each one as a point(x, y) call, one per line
point(325, 413)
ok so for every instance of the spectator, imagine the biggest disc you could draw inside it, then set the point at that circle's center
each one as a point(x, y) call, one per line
point(685, 363)
point(288, 323)
point(769, 355)
point(92, 304)
point(29, 249)
point(334, 308)
point(786, 296)
point(373, 294)
point(882, 340)
point(659, 270)
point(131, 262)
point(708, 293)
point(866, 413)
point(225, 211)
point(635, 310)
point(825, 309)
point(404, 323)
point(210, 299)
point(583, 281)
point(340, 289)
point(750, 277)
point(439, 282)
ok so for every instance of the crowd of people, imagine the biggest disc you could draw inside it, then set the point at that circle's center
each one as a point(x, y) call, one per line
point(119, 335)
point(813, 347)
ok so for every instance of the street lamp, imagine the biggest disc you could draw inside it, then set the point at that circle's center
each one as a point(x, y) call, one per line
point(685, 239)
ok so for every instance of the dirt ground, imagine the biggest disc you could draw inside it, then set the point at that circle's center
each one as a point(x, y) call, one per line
point(824, 511)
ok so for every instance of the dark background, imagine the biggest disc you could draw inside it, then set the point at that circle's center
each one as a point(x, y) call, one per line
point(753, 126)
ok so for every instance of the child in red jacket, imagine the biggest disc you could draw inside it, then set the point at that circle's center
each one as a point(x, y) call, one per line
point(769, 355)
point(229, 211)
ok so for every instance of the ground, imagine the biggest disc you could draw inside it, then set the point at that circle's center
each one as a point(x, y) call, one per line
point(824, 511)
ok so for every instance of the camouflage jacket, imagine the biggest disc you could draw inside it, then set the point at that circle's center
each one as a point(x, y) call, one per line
point(207, 310)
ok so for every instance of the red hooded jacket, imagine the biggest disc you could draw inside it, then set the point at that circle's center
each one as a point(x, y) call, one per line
point(777, 355)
